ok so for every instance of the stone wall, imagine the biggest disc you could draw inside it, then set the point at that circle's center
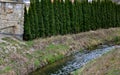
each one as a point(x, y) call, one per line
point(11, 18)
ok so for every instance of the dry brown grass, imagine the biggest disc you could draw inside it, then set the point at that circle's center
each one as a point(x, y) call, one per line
point(81, 40)
point(108, 64)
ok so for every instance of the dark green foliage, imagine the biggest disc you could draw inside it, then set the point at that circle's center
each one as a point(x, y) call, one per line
point(67, 14)
point(64, 19)
point(45, 13)
point(41, 27)
point(27, 32)
point(72, 17)
point(45, 19)
point(57, 16)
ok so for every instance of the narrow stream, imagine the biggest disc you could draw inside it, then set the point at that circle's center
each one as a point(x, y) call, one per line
point(71, 63)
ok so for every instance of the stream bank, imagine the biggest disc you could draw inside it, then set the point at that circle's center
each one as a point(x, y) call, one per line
point(108, 64)
point(20, 57)
point(73, 62)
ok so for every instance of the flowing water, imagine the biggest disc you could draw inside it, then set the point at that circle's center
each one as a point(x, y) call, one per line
point(71, 63)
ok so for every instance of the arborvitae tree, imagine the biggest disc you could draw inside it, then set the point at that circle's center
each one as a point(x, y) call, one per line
point(76, 23)
point(118, 10)
point(46, 19)
point(45, 9)
point(118, 15)
point(114, 15)
point(27, 32)
point(97, 11)
point(36, 25)
point(35, 5)
point(26, 29)
point(109, 14)
point(83, 16)
point(34, 21)
point(52, 28)
point(94, 14)
point(80, 14)
point(67, 12)
point(80, 17)
point(30, 14)
point(87, 16)
point(60, 11)
point(99, 19)
point(72, 17)
point(102, 6)
point(40, 21)
point(56, 14)
point(64, 18)
point(105, 14)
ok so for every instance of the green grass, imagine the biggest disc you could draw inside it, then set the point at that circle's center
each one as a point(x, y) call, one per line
point(50, 54)
point(2, 44)
point(114, 72)
point(52, 58)
point(36, 63)
point(29, 56)
point(56, 47)
point(1, 61)
point(116, 39)
point(6, 69)
point(29, 43)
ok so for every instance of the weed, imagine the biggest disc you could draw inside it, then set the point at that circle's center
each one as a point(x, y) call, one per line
point(56, 47)
point(1, 61)
point(29, 56)
point(6, 69)
point(36, 63)
point(30, 43)
point(116, 40)
point(114, 72)
point(3, 44)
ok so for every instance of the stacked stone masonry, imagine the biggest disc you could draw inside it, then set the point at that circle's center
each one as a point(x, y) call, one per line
point(11, 18)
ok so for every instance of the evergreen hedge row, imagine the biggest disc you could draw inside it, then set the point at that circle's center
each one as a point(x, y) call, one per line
point(45, 19)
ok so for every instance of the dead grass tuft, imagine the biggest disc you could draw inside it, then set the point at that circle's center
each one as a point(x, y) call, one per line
point(81, 40)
